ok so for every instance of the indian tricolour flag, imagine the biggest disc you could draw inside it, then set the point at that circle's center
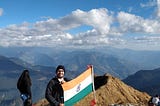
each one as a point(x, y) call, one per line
point(79, 87)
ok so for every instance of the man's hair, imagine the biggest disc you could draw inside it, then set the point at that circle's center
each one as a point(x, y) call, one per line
point(60, 67)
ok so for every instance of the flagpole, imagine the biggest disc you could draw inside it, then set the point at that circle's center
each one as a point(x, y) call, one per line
point(94, 92)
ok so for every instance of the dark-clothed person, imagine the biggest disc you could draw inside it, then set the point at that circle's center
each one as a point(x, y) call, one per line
point(24, 86)
point(54, 91)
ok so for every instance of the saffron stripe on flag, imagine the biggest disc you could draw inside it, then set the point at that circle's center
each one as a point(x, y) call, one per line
point(74, 82)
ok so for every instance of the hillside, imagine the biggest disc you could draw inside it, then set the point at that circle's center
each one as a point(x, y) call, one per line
point(106, 60)
point(145, 80)
point(110, 90)
point(11, 69)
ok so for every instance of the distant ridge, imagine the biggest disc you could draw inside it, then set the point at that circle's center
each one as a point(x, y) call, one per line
point(110, 90)
point(145, 80)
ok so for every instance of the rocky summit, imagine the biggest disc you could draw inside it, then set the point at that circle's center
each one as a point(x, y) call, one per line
point(110, 91)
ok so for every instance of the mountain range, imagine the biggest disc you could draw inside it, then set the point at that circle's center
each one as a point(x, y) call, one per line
point(145, 80)
point(118, 62)
point(41, 62)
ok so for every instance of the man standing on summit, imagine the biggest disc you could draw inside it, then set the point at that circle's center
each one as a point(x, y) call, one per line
point(54, 91)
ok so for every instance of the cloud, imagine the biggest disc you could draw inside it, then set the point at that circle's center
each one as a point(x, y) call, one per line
point(99, 19)
point(1, 11)
point(147, 38)
point(130, 9)
point(158, 10)
point(132, 23)
point(38, 34)
point(151, 3)
point(52, 32)
point(108, 28)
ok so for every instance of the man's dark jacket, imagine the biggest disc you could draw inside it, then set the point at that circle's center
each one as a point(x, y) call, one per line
point(54, 92)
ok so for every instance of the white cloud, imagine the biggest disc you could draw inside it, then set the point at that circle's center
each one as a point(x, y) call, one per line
point(158, 10)
point(148, 38)
point(54, 31)
point(130, 9)
point(145, 42)
point(108, 29)
point(1, 11)
point(151, 3)
point(132, 23)
point(99, 19)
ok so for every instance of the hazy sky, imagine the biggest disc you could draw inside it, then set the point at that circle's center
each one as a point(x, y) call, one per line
point(133, 24)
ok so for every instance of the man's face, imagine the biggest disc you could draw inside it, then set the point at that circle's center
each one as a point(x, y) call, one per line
point(60, 73)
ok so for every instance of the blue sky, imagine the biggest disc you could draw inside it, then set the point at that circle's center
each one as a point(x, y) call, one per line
point(133, 24)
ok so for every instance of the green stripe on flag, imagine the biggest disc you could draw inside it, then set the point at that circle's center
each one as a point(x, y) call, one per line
point(79, 96)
